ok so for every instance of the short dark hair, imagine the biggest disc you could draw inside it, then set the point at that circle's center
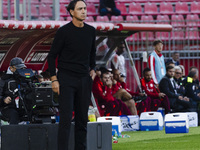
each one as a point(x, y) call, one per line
point(146, 70)
point(193, 67)
point(157, 42)
point(104, 72)
point(72, 5)
point(170, 62)
point(169, 67)
point(192, 73)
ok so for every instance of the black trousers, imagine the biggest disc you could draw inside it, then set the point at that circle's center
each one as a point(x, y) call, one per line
point(12, 114)
point(75, 93)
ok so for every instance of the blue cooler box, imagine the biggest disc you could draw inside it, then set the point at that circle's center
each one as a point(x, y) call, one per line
point(176, 123)
point(151, 121)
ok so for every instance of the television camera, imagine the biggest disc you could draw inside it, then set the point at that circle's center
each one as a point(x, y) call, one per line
point(35, 99)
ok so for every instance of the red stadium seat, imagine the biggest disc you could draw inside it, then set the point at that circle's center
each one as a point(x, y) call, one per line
point(64, 1)
point(177, 34)
point(195, 7)
point(192, 34)
point(181, 8)
point(117, 19)
point(150, 8)
point(163, 19)
point(145, 35)
point(147, 19)
point(47, 1)
point(135, 9)
point(5, 11)
point(166, 8)
point(192, 20)
point(102, 19)
point(122, 8)
point(45, 10)
point(34, 11)
point(89, 19)
point(177, 21)
point(63, 10)
point(62, 19)
point(132, 19)
point(91, 10)
point(93, 1)
point(69, 18)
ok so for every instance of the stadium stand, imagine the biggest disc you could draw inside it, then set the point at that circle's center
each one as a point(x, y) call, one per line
point(166, 8)
point(150, 8)
point(135, 9)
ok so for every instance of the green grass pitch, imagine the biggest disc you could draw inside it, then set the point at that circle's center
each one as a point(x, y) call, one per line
point(159, 140)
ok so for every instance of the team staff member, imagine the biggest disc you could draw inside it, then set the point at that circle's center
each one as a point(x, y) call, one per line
point(156, 62)
point(74, 44)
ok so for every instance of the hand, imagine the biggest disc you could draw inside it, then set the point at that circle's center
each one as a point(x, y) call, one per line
point(92, 74)
point(7, 100)
point(121, 79)
point(142, 94)
point(55, 87)
point(180, 97)
point(198, 94)
point(114, 81)
point(109, 9)
point(109, 83)
point(186, 99)
point(161, 95)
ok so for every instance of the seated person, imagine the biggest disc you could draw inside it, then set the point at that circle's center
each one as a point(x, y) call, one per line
point(108, 7)
point(8, 92)
point(191, 89)
point(178, 80)
point(102, 90)
point(142, 106)
point(158, 99)
point(167, 85)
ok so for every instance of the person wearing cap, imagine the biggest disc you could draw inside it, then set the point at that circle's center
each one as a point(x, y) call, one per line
point(8, 86)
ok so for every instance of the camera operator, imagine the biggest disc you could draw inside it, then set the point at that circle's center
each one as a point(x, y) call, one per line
point(8, 92)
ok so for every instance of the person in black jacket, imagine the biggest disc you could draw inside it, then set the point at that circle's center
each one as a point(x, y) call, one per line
point(74, 45)
point(108, 7)
point(8, 92)
point(191, 89)
point(167, 85)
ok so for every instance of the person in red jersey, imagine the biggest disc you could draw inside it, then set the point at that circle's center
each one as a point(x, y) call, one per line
point(144, 102)
point(102, 90)
point(158, 99)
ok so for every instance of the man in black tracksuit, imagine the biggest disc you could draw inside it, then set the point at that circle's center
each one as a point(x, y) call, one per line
point(8, 92)
point(74, 44)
